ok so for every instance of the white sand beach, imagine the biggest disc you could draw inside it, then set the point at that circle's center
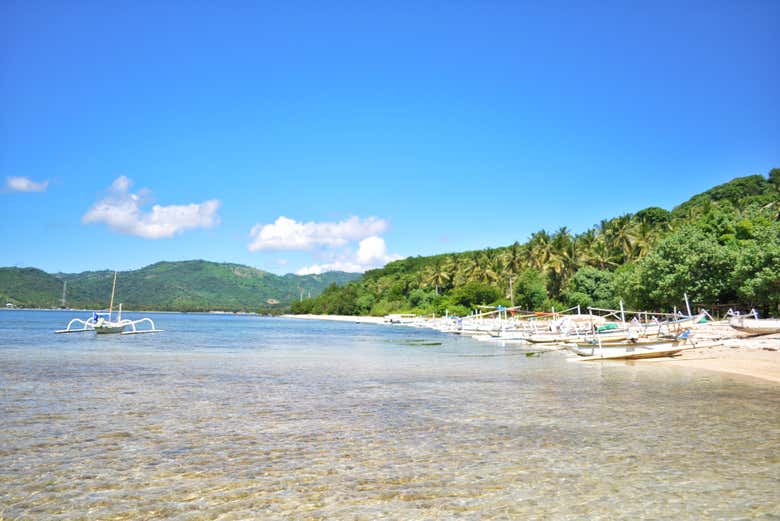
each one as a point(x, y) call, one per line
point(734, 352)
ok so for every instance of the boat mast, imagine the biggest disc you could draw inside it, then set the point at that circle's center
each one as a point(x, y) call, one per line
point(113, 288)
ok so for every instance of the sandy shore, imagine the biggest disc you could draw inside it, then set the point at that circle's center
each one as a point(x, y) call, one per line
point(723, 349)
point(340, 318)
point(733, 352)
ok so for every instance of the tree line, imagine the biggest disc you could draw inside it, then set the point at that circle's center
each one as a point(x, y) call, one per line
point(721, 247)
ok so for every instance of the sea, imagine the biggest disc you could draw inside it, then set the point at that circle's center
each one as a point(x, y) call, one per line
point(236, 417)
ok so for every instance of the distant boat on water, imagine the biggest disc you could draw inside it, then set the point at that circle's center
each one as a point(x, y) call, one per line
point(101, 322)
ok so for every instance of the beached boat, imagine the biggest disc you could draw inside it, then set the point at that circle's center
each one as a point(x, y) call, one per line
point(638, 348)
point(755, 326)
point(633, 352)
point(401, 318)
point(640, 341)
point(547, 338)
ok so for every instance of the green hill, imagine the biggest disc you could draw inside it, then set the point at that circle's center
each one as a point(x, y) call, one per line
point(721, 247)
point(177, 286)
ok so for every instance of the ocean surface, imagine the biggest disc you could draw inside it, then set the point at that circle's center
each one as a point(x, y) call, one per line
point(225, 417)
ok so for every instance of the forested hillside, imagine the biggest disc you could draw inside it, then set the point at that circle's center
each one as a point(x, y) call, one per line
point(176, 286)
point(722, 247)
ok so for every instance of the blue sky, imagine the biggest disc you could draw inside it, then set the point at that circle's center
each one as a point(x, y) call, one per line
point(299, 136)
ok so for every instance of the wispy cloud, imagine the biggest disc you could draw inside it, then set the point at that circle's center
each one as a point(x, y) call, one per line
point(371, 253)
point(123, 212)
point(288, 234)
point(24, 184)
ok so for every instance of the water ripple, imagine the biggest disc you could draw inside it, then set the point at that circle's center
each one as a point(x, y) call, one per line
point(330, 425)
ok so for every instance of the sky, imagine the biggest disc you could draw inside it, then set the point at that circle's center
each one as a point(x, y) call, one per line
point(298, 137)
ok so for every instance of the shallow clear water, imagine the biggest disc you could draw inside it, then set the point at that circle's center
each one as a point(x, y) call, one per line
point(236, 417)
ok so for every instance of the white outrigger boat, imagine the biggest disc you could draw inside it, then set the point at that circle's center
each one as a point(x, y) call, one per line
point(753, 325)
point(101, 322)
point(633, 350)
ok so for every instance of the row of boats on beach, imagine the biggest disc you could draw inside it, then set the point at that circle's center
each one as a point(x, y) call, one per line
point(596, 335)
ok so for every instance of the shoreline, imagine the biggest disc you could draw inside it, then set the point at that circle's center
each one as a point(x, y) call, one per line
point(724, 349)
point(747, 362)
point(733, 353)
point(356, 319)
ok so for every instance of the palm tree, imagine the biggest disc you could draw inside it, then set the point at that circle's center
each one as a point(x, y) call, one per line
point(601, 255)
point(474, 267)
point(514, 259)
point(438, 275)
point(494, 270)
point(620, 235)
point(644, 237)
point(563, 261)
point(540, 249)
point(452, 267)
point(586, 240)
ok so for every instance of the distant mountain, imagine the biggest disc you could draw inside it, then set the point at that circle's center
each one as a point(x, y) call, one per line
point(176, 286)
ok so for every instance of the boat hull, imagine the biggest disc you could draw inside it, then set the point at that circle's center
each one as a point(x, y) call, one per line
point(634, 354)
point(755, 326)
point(109, 329)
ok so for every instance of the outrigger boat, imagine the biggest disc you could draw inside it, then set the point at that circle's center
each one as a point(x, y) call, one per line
point(632, 350)
point(636, 352)
point(754, 325)
point(101, 322)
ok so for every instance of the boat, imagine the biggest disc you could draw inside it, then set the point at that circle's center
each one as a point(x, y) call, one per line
point(547, 338)
point(102, 323)
point(755, 325)
point(632, 350)
point(635, 352)
point(401, 318)
point(640, 341)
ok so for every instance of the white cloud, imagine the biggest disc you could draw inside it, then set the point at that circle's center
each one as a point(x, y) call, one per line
point(316, 269)
point(371, 253)
point(23, 184)
point(288, 234)
point(122, 212)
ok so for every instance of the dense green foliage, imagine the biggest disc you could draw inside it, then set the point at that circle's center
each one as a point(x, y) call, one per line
point(175, 286)
point(721, 247)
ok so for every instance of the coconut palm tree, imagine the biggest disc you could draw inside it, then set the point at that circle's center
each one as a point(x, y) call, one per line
point(540, 249)
point(564, 259)
point(514, 260)
point(474, 267)
point(620, 235)
point(645, 236)
point(494, 270)
point(601, 256)
point(438, 275)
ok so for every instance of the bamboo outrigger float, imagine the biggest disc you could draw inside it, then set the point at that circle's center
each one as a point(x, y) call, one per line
point(101, 323)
